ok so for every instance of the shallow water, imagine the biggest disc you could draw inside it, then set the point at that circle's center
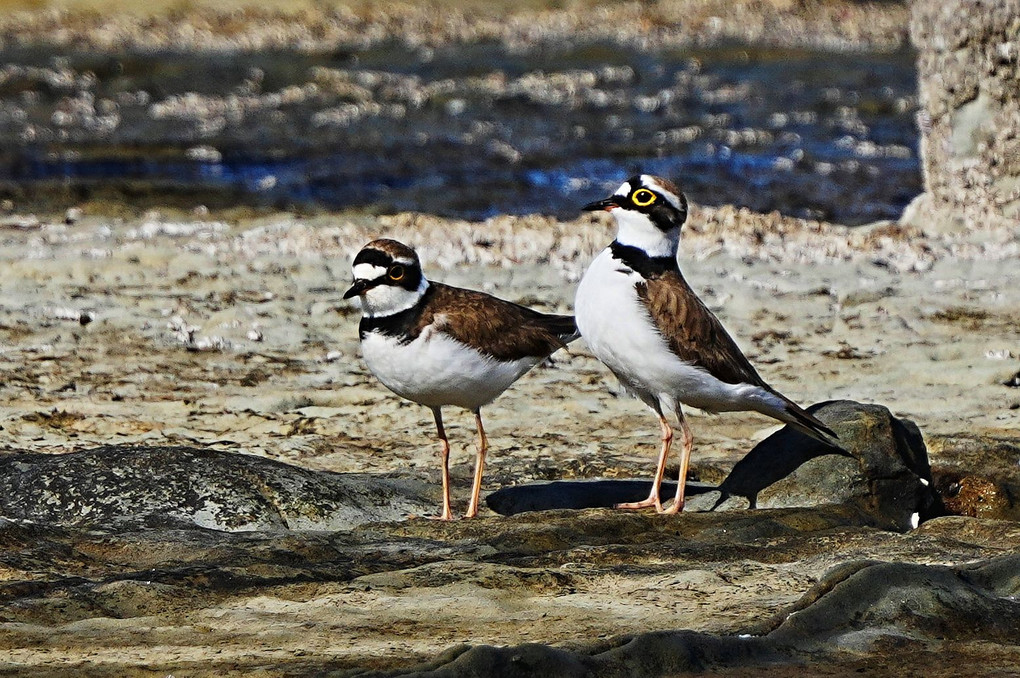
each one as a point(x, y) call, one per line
point(465, 130)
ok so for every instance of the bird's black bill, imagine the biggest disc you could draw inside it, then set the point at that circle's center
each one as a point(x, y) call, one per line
point(360, 287)
point(601, 205)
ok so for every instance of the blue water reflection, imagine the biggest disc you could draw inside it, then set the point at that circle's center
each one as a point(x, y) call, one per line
point(810, 134)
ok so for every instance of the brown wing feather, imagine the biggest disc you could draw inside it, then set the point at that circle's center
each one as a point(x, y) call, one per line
point(692, 331)
point(507, 330)
point(696, 335)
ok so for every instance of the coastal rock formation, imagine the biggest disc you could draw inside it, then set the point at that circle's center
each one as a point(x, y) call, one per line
point(968, 56)
point(568, 593)
point(855, 607)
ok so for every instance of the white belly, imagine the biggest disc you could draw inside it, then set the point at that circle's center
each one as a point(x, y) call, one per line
point(435, 370)
point(619, 331)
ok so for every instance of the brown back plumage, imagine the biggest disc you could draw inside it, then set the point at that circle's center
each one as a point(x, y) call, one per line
point(692, 331)
point(695, 335)
point(499, 328)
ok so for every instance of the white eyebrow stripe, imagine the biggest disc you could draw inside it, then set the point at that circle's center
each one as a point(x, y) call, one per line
point(652, 183)
point(665, 192)
point(368, 271)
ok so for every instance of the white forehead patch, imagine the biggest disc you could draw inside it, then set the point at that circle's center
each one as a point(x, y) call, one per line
point(368, 271)
point(624, 189)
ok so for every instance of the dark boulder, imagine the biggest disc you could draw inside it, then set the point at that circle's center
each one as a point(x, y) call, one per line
point(882, 469)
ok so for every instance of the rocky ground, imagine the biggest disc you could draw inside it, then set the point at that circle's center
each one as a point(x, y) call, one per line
point(230, 335)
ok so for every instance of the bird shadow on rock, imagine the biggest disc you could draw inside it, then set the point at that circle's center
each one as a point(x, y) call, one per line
point(579, 494)
point(775, 458)
point(882, 467)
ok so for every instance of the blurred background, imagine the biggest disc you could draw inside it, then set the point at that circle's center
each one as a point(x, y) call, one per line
point(466, 109)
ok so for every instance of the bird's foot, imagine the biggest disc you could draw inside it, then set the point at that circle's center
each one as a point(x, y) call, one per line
point(673, 508)
point(644, 503)
point(472, 509)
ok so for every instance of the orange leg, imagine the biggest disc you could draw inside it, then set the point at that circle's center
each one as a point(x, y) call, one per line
point(685, 460)
point(444, 451)
point(660, 470)
point(476, 486)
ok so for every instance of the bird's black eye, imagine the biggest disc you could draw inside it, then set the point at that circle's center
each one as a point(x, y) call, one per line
point(642, 197)
point(396, 272)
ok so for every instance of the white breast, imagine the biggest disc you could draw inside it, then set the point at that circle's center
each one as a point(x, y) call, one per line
point(436, 370)
point(620, 332)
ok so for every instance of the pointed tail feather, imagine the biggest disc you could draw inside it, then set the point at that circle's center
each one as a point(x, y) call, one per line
point(810, 425)
point(786, 410)
point(563, 326)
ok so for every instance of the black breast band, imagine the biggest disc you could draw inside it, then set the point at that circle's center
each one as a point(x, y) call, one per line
point(638, 260)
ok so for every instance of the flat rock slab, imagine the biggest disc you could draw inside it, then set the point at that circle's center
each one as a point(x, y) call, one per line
point(264, 565)
point(127, 487)
point(538, 593)
point(856, 608)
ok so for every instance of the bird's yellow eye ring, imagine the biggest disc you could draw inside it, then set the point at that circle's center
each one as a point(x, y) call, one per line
point(642, 197)
point(396, 272)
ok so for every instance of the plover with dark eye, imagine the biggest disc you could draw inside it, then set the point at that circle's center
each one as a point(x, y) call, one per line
point(439, 345)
